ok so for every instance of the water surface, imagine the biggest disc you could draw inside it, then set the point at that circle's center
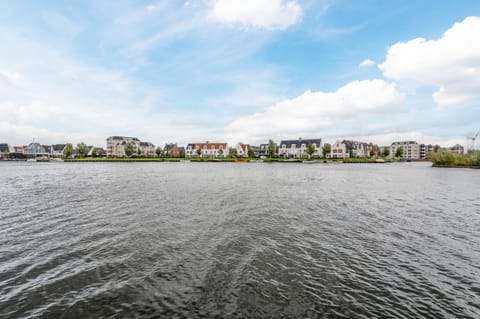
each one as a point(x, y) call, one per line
point(198, 240)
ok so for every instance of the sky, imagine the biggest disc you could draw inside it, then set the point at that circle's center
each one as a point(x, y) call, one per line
point(239, 70)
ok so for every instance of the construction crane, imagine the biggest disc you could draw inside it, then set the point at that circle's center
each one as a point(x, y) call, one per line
point(472, 139)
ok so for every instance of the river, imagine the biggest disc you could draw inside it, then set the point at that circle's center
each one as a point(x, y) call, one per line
point(230, 240)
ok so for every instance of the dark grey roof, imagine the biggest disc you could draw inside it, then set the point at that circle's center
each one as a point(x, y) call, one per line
point(116, 137)
point(47, 148)
point(58, 147)
point(3, 147)
point(299, 142)
point(146, 144)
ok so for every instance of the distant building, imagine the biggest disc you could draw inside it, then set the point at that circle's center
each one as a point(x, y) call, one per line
point(457, 148)
point(264, 149)
point(171, 150)
point(101, 152)
point(36, 149)
point(4, 148)
point(339, 150)
point(348, 148)
point(58, 149)
point(410, 150)
point(147, 149)
point(427, 148)
point(116, 146)
point(242, 150)
point(206, 149)
point(298, 148)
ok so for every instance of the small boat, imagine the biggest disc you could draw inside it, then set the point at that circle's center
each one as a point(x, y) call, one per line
point(379, 160)
point(32, 160)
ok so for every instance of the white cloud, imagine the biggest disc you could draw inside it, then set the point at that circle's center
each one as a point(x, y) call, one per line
point(311, 112)
point(8, 78)
point(150, 7)
point(268, 14)
point(451, 63)
point(367, 63)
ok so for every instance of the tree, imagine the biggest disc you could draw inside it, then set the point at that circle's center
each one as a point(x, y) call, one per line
point(220, 152)
point(310, 150)
point(158, 151)
point(326, 149)
point(94, 152)
point(233, 152)
point(399, 152)
point(386, 152)
point(250, 152)
point(139, 151)
point(129, 149)
point(81, 150)
point(68, 150)
point(372, 153)
point(272, 150)
point(199, 151)
point(6, 153)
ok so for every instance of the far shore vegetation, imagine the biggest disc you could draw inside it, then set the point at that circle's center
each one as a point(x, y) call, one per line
point(471, 159)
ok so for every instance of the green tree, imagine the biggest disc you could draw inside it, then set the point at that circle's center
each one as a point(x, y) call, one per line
point(139, 151)
point(6, 153)
point(94, 152)
point(372, 153)
point(81, 150)
point(199, 152)
point(68, 150)
point(310, 150)
point(233, 152)
point(220, 152)
point(399, 152)
point(386, 152)
point(272, 150)
point(158, 151)
point(250, 152)
point(326, 149)
point(129, 149)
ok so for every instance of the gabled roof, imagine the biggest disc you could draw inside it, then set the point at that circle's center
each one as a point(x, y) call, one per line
point(58, 147)
point(207, 145)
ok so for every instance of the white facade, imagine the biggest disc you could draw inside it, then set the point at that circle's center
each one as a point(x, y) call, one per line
point(207, 150)
point(298, 148)
point(339, 150)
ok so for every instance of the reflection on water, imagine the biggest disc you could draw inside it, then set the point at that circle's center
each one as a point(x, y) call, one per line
point(196, 240)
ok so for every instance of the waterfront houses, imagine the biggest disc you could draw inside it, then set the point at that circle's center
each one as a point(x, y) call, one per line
point(348, 148)
point(298, 148)
point(207, 150)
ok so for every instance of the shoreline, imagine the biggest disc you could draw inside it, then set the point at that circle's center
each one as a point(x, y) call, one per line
point(455, 166)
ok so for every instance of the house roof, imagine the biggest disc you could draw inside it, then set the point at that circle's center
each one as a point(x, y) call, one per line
point(207, 145)
point(116, 137)
point(146, 144)
point(300, 141)
point(58, 147)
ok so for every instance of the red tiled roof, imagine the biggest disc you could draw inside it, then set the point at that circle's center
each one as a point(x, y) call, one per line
point(208, 145)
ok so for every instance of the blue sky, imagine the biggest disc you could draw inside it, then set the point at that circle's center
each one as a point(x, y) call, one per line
point(250, 70)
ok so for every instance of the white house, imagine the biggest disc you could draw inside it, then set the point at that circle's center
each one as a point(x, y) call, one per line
point(206, 149)
point(298, 148)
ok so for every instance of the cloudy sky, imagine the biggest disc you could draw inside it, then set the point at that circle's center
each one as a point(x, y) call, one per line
point(239, 70)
